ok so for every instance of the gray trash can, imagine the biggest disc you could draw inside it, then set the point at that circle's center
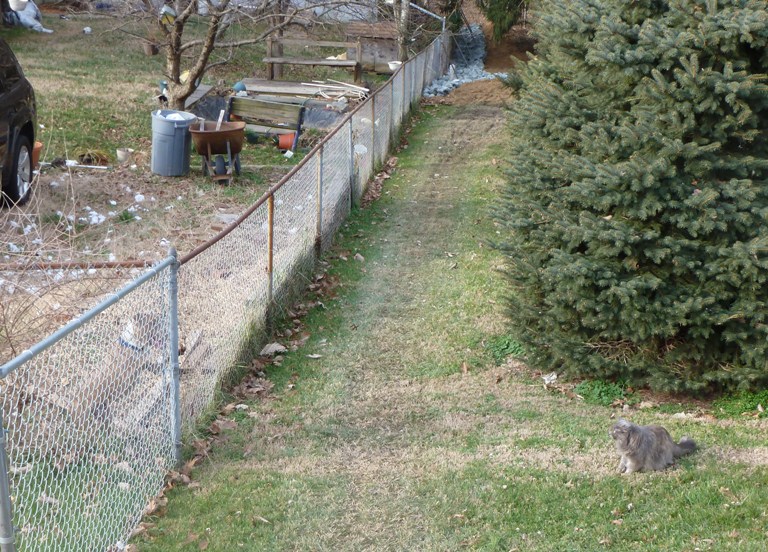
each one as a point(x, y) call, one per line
point(171, 141)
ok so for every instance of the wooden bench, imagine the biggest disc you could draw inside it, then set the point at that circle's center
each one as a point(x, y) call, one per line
point(271, 60)
point(267, 118)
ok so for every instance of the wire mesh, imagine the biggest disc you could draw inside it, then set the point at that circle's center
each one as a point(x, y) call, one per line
point(398, 100)
point(336, 181)
point(222, 302)
point(382, 124)
point(362, 151)
point(88, 420)
point(295, 232)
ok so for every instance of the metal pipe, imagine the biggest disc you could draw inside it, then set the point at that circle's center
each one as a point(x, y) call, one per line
point(270, 248)
point(7, 536)
point(319, 230)
point(173, 305)
point(373, 133)
point(442, 19)
point(351, 148)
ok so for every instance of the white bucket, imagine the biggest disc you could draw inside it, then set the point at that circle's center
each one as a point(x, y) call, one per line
point(124, 155)
point(18, 5)
point(394, 65)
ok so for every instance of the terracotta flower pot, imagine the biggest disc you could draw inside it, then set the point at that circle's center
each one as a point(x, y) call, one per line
point(36, 149)
point(285, 141)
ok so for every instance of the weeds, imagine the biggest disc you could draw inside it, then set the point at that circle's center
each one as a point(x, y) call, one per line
point(503, 346)
point(602, 393)
point(741, 404)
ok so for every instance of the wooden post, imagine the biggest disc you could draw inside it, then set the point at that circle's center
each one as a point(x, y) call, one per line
point(359, 59)
point(270, 65)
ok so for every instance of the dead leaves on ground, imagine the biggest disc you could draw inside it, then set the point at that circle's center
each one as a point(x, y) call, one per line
point(377, 184)
point(254, 385)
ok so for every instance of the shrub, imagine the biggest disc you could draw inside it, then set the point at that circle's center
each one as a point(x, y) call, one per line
point(635, 214)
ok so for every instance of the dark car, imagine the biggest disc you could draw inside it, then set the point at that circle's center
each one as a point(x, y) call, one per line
point(17, 128)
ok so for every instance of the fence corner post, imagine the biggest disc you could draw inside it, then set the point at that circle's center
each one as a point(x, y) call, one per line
point(173, 302)
point(7, 535)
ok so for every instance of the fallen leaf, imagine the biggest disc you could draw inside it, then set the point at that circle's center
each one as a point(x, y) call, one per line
point(272, 349)
point(203, 545)
point(359, 257)
point(464, 368)
point(222, 424)
point(155, 505)
point(617, 521)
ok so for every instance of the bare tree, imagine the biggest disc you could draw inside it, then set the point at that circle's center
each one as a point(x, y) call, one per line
point(192, 57)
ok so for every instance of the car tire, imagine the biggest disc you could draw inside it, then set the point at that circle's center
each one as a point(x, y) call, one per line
point(18, 179)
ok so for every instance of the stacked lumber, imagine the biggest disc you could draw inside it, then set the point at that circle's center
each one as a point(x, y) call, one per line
point(329, 90)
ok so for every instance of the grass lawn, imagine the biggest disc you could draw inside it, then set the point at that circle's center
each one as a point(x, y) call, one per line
point(401, 425)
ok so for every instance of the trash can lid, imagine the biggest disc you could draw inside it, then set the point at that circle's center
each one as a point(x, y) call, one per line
point(171, 115)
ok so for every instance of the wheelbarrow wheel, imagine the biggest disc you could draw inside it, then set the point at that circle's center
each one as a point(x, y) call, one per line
point(220, 165)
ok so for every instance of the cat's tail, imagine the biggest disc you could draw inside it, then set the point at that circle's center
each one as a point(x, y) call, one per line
point(685, 446)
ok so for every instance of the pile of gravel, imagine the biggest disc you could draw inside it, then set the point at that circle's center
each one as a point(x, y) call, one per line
point(466, 65)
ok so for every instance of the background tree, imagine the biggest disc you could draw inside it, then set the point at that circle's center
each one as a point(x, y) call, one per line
point(636, 208)
point(190, 55)
point(502, 14)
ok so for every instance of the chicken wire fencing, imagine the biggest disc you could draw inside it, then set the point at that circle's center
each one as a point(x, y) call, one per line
point(93, 416)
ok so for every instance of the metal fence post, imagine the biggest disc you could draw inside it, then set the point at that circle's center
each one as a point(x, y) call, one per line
point(391, 114)
point(270, 248)
point(404, 103)
point(351, 166)
point(7, 537)
point(173, 303)
point(373, 133)
point(319, 231)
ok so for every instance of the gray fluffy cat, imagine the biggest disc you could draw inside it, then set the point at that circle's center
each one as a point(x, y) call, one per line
point(647, 448)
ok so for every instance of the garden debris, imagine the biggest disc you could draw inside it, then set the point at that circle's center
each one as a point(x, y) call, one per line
point(337, 90)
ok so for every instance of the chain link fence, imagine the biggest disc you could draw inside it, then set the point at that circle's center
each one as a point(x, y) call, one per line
point(92, 417)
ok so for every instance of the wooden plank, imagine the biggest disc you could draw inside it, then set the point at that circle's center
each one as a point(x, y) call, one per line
point(278, 88)
point(301, 61)
point(197, 95)
point(263, 129)
point(316, 43)
point(263, 110)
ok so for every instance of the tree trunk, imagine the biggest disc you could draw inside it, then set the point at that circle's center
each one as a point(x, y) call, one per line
point(402, 28)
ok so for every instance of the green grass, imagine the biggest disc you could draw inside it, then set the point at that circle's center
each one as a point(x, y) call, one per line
point(602, 393)
point(411, 433)
point(97, 91)
point(733, 406)
point(503, 346)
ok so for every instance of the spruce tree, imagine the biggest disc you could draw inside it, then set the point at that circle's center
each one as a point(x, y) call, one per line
point(635, 218)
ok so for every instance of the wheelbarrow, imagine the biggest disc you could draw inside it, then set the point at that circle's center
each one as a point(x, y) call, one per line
point(219, 147)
